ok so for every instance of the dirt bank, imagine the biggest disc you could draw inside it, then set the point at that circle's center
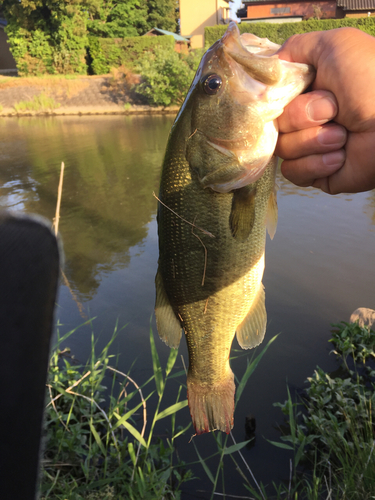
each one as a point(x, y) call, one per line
point(85, 95)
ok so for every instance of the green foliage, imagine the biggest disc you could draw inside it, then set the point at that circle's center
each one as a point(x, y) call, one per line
point(166, 76)
point(94, 449)
point(109, 52)
point(278, 33)
point(47, 36)
point(124, 18)
point(163, 14)
point(117, 18)
point(333, 424)
point(353, 340)
point(41, 103)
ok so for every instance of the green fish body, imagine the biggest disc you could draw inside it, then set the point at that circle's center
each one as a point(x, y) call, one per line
point(217, 197)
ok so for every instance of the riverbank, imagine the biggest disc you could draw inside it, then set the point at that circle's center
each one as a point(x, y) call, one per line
point(78, 95)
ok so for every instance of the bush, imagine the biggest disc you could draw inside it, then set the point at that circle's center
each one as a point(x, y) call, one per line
point(278, 33)
point(167, 75)
point(333, 425)
point(56, 45)
point(114, 52)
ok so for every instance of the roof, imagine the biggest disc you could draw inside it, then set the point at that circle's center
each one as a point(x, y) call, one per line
point(356, 4)
point(158, 31)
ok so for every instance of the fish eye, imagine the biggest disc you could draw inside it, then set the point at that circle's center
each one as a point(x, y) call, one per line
point(212, 84)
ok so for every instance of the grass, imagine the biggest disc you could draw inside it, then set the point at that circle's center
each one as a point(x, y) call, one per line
point(94, 446)
point(101, 442)
point(41, 102)
point(331, 427)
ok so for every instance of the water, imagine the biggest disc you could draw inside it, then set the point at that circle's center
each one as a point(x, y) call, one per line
point(319, 267)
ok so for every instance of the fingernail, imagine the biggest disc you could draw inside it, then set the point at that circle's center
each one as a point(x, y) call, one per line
point(321, 109)
point(331, 134)
point(335, 159)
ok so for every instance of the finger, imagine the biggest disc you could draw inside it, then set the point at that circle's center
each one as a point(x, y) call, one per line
point(304, 48)
point(358, 172)
point(306, 171)
point(316, 140)
point(308, 110)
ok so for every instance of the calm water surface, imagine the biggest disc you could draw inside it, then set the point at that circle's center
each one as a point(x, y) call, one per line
point(319, 267)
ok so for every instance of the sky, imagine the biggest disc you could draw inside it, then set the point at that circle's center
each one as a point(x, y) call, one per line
point(234, 6)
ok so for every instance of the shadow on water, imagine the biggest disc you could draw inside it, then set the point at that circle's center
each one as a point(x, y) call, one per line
point(319, 267)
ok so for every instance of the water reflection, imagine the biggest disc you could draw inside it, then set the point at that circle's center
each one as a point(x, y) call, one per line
point(111, 169)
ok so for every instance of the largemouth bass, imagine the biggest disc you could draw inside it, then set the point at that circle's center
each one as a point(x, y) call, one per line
point(217, 196)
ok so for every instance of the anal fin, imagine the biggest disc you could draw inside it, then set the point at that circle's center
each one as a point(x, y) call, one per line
point(242, 215)
point(169, 327)
point(250, 332)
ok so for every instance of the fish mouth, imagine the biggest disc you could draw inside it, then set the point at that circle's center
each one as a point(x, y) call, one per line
point(259, 73)
point(264, 69)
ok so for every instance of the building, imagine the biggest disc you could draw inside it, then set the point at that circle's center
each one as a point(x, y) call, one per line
point(181, 44)
point(283, 11)
point(286, 11)
point(195, 15)
point(355, 8)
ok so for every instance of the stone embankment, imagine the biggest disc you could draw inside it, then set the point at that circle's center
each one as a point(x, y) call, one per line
point(86, 95)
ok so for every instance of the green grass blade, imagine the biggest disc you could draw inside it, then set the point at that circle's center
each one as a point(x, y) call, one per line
point(159, 381)
point(250, 369)
point(235, 447)
point(68, 334)
point(204, 465)
point(292, 423)
point(129, 413)
point(97, 439)
point(178, 374)
point(171, 361)
point(172, 409)
point(182, 431)
point(281, 445)
point(134, 432)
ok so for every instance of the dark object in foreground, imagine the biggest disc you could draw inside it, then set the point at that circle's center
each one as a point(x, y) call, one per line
point(29, 268)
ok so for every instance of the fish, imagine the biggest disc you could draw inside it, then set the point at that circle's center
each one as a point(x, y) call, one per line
point(217, 197)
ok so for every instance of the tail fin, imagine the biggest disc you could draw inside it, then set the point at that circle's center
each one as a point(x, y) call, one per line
point(212, 405)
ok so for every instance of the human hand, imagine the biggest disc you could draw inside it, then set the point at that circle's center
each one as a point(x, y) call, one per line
point(338, 156)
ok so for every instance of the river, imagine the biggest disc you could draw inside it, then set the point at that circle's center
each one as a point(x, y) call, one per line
point(319, 267)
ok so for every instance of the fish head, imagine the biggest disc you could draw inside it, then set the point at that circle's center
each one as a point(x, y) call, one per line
point(240, 88)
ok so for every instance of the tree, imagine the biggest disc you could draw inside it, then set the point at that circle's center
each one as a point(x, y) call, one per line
point(46, 36)
point(163, 14)
point(117, 18)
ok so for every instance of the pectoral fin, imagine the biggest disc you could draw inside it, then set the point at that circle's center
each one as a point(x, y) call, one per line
point(272, 214)
point(169, 327)
point(250, 332)
point(242, 215)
